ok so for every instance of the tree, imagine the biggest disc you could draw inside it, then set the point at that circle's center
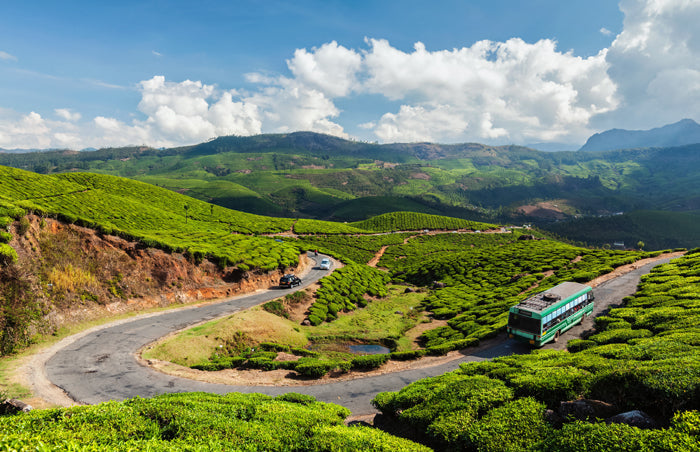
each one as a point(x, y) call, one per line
point(640, 245)
point(186, 209)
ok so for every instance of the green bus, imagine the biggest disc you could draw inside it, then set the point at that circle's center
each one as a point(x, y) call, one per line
point(543, 317)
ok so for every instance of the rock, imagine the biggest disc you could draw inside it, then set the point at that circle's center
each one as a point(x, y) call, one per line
point(409, 290)
point(586, 409)
point(439, 285)
point(553, 418)
point(306, 322)
point(526, 237)
point(398, 312)
point(635, 418)
point(14, 406)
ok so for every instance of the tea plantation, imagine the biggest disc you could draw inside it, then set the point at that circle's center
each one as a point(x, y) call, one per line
point(642, 356)
point(646, 356)
point(152, 215)
point(196, 422)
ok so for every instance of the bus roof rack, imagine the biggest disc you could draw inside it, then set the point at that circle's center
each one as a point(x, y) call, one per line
point(541, 301)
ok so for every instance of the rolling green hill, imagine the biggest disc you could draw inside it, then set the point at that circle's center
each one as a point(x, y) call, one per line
point(317, 176)
point(643, 355)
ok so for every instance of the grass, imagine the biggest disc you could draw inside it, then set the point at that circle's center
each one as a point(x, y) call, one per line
point(197, 344)
point(378, 322)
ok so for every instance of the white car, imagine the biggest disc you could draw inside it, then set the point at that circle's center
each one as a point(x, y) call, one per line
point(325, 264)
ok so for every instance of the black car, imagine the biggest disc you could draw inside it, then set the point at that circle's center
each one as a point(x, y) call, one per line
point(290, 281)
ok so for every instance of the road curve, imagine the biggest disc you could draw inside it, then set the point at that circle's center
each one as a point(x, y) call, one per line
point(102, 366)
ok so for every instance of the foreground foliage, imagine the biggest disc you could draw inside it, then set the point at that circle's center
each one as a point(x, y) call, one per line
point(196, 421)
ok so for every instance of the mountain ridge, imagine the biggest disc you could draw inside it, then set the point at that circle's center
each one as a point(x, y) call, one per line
point(684, 132)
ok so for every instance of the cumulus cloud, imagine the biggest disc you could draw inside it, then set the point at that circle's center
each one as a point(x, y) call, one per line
point(178, 113)
point(655, 62)
point(330, 69)
point(67, 115)
point(498, 92)
point(27, 131)
point(509, 91)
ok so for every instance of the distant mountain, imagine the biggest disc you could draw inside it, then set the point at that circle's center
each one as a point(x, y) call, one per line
point(680, 133)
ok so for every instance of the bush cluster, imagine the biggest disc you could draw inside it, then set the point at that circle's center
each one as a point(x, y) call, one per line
point(412, 221)
point(646, 356)
point(345, 289)
point(197, 421)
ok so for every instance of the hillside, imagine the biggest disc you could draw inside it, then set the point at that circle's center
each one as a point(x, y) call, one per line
point(307, 175)
point(102, 243)
point(681, 133)
point(657, 230)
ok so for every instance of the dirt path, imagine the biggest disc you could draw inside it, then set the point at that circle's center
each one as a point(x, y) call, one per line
point(375, 260)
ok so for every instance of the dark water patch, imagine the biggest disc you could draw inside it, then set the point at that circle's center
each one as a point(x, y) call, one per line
point(369, 349)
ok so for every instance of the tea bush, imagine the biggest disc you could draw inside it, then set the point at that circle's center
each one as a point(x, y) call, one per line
point(196, 421)
point(345, 289)
point(640, 359)
point(411, 221)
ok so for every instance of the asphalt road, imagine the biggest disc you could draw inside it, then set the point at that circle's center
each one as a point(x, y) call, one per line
point(102, 366)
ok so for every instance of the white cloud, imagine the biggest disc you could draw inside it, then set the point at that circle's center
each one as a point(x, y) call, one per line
point(511, 91)
point(604, 31)
point(67, 115)
point(6, 56)
point(25, 132)
point(330, 69)
point(179, 113)
point(288, 106)
point(497, 92)
point(655, 62)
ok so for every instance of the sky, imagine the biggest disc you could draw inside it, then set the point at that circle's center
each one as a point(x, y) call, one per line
point(79, 74)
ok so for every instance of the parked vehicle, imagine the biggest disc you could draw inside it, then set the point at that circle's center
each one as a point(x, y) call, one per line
point(290, 280)
point(325, 264)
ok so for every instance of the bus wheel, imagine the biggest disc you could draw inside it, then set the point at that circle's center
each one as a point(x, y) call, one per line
point(556, 337)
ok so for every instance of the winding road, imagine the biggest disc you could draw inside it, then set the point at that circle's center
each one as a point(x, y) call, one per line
point(101, 365)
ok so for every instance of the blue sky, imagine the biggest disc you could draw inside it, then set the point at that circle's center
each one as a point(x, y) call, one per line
point(77, 73)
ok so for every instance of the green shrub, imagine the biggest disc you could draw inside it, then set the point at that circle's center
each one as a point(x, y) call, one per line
point(359, 438)
point(304, 352)
point(295, 397)
point(407, 355)
point(8, 255)
point(577, 345)
point(367, 362)
point(5, 237)
point(275, 307)
point(24, 225)
point(582, 436)
point(551, 384)
point(314, 368)
point(619, 335)
point(273, 347)
point(515, 426)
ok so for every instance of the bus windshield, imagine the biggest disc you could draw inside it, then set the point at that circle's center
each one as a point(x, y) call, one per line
point(523, 323)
